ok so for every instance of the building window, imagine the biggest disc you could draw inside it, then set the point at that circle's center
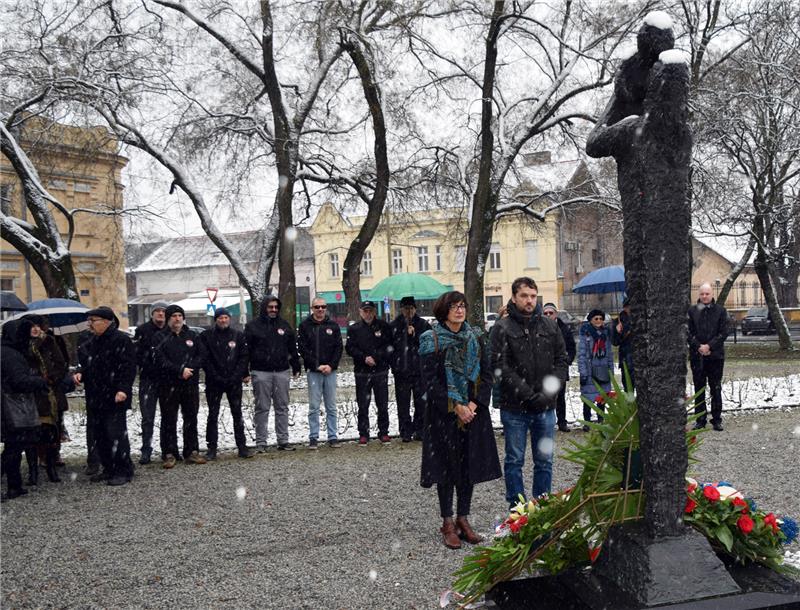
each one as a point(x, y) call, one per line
point(59, 185)
point(742, 294)
point(494, 303)
point(5, 199)
point(494, 257)
point(82, 187)
point(87, 267)
point(596, 258)
point(334, 259)
point(422, 258)
point(9, 265)
point(437, 258)
point(84, 292)
point(461, 257)
point(532, 254)
point(397, 260)
point(7, 283)
point(366, 264)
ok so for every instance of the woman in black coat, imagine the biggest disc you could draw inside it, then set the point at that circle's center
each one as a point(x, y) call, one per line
point(20, 420)
point(458, 445)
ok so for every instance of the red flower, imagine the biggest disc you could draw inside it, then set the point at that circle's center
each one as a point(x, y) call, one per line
point(693, 440)
point(772, 521)
point(600, 400)
point(593, 553)
point(612, 394)
point(711, 493)
point(740, 502)
point(517, 524)
point(691, 487)
point(690, 506)
point(745, 524)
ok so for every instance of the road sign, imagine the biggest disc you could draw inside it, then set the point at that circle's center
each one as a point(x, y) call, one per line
point(211, 309)
point(212, 294)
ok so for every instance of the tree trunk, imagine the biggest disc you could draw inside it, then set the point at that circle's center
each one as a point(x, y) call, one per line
point(736, 270)
point(484, 201)
point(287, 291)
point(351, 275)
point(768, 289)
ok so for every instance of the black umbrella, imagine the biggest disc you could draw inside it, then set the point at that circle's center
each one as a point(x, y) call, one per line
point(11, 302)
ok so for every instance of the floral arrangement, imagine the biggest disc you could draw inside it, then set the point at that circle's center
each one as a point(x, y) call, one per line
point(567, 529)
point(735, 527)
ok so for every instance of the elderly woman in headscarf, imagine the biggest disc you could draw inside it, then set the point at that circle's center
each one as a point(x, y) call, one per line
point(458, 444)
point(47, 358)
point(595, 361)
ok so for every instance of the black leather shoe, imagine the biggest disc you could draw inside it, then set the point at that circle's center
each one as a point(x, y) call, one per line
point(211, 454)
point(698, 425)
point(100, 476)
point(244, 453)
point(717, 426)
point(146, 456)
point(285, 447)
point(563, 428)
point(118, 480)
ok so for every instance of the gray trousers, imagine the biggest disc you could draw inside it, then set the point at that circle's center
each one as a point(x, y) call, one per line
point(269, 388)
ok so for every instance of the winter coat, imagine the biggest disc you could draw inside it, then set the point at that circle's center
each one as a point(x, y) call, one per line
point(590, 365)
point(143, 339)
point(524, 352)
point(17, 377)
point(175, 352)
point(369, 340)
point(320, 343)
point(623, 340)
point(227, 356)
point(46, 357)
point(405, 352)
point(272, 344)
point(708, 324)
point(444, 459)
point(569, 342)
point(107, 366)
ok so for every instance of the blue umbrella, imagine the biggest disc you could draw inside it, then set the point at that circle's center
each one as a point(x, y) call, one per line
point(65, 315)
point(11, 302)
point(603, 280)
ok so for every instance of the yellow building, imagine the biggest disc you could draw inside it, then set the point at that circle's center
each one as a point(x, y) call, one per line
point(81, 168)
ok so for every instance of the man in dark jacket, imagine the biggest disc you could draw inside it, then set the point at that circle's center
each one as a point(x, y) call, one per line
point(622, 337)
point(320, 343)
point(107, 370)
point(273, 359)
point(529, 354)
point(179, 355)
point(406, 331)
point(551, 312)
point(148, 374)
point(226, 366)
point(368, 341)
point(708, 329)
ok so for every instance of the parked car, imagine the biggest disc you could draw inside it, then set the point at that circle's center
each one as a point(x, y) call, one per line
point(757, 320)
point(490, 319)
point(571, 321)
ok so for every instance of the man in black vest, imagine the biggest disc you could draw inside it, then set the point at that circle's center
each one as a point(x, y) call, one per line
point(406, 330)
point(148, 374)
point(708, 329)
point(226, 366)
point(367, 343)
point(180, 356)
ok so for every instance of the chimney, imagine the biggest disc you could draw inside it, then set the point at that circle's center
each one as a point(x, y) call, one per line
point(542, 157)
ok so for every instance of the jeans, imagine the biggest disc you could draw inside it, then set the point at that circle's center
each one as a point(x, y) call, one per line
point(269, 387)
point(321, 386)
point(708, 371)
point(148, 401)
point(515, 429)
point(366, 385)
point(214, 398)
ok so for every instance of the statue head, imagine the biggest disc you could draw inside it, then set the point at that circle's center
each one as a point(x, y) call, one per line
point(655, 36)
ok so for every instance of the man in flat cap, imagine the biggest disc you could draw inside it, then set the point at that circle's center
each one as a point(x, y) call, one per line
point(148, 374)
point(107, 370)
point(180, 356)
point(226, 367)
point(368, 343)
point(406, 330)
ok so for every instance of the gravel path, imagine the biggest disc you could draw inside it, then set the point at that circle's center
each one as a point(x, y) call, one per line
point(347, 528)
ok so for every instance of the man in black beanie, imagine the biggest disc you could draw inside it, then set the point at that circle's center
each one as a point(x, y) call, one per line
point(226, 366)
point(148, 374)
point(180, 356)
point(107, 370)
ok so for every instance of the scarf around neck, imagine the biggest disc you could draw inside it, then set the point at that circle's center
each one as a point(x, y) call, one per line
point(462, 362)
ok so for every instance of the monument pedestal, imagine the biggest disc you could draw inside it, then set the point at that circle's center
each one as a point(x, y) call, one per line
point(635, 572)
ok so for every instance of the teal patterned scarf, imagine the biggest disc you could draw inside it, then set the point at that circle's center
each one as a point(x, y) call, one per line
point(462, 357)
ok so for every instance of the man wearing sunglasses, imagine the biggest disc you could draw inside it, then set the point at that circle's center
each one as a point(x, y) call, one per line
point(320, 343)
point(273, 359)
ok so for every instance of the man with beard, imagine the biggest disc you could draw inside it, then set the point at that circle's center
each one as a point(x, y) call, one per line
point(368, 341)
point(273, 359)
point(107, 370)
point(148, 374)
point(406, 331)
point(180, 356)
point(225, 367)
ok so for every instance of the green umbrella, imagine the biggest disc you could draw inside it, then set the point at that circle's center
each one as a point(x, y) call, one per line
point(417, 285)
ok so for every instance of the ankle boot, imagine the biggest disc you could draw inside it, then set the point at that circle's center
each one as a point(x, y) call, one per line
point(466, 532)
point(33, 467)
point(450, 534)
point(50, 467)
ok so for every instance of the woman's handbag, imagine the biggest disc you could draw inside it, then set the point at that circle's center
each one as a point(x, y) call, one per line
point(19, 411)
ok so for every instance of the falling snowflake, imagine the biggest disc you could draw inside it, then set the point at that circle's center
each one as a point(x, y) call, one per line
point(754, 427)
point(373, 575)
point(551, 385)
point(241, 493)
point(291, 233)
